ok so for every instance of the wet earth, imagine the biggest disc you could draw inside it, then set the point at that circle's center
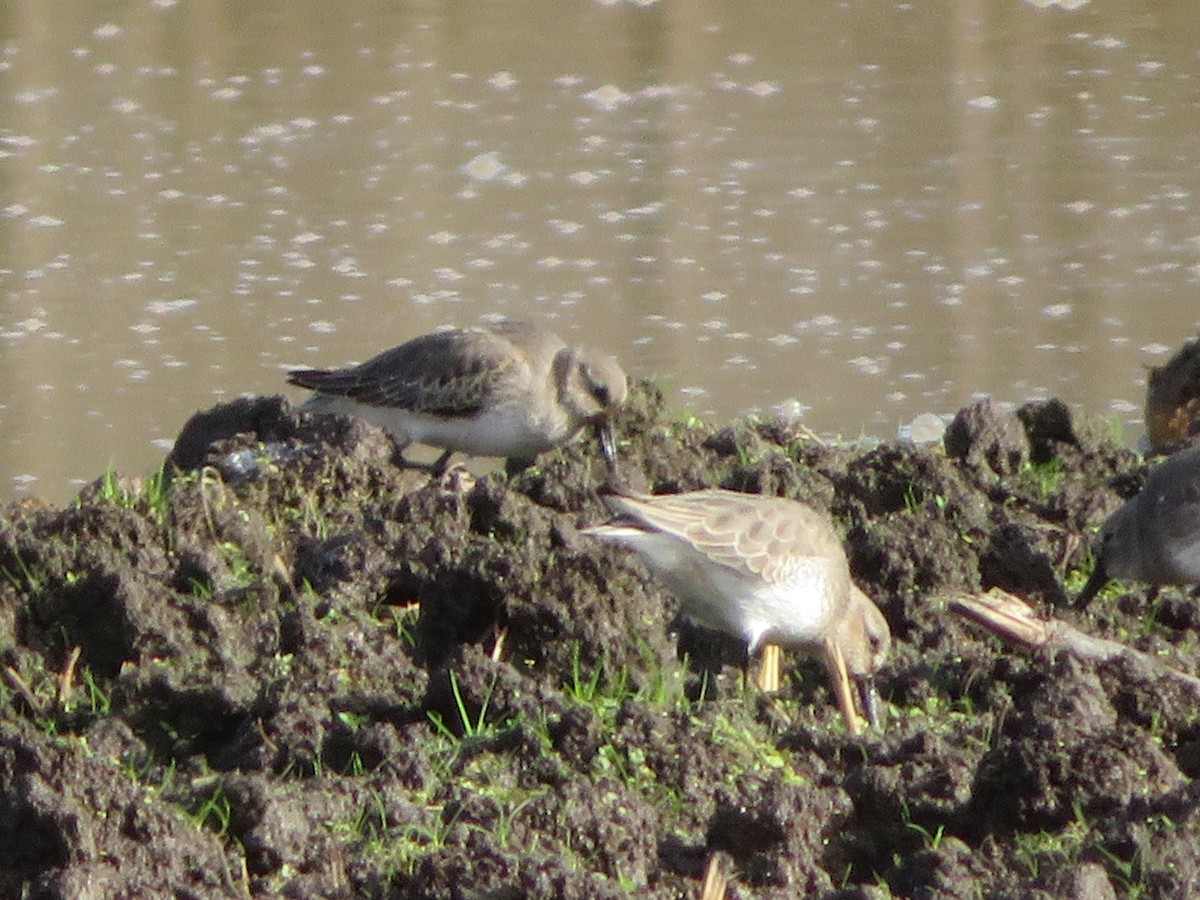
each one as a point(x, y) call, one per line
point(295, 669)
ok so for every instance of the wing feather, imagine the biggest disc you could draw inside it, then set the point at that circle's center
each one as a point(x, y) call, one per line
point(455, 372)
point(757, 536)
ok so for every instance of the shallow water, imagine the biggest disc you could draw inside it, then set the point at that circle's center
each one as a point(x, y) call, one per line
point(855, 217)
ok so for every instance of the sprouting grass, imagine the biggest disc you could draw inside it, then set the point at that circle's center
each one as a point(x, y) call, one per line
point(1047, 477)
point(1053, 848)
point(27, 579)
point(915, 499)
point(472, 727)
point(214, 812)
point(99, 702)
point(931, 839)
point(150, 494)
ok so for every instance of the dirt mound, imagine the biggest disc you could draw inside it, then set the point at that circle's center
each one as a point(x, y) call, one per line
point(295, 669)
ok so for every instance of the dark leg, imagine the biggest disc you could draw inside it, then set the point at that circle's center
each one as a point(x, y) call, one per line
point(437, 468)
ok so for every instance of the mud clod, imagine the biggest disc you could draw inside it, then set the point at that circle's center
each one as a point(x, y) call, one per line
point(305, 671)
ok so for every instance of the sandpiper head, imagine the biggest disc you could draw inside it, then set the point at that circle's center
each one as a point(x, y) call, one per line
point(1114, 552)
point(866, 641)
point(592, 387)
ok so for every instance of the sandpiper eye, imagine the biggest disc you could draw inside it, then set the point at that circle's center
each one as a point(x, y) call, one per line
point(598, 389)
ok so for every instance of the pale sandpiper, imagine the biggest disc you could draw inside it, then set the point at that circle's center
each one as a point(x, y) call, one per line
point(765, 569)
point(507, 389)
point(1155, 536)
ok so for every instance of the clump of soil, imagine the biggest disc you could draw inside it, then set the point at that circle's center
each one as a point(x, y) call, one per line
point(296, 669)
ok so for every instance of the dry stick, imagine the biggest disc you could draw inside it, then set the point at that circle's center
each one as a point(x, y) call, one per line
point(835, 665)
point(770, 669)
point(716, 877)
point(67, 678)
point(13, 677)
point(1013, 620)
point(205, 472)
point(498, 646)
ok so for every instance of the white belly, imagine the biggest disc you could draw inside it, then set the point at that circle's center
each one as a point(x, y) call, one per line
point(797, 612)
point(506, 430)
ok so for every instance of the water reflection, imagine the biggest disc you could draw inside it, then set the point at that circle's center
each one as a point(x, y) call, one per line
point(859, 216)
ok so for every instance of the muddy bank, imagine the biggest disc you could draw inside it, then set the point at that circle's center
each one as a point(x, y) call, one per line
point(305, 672)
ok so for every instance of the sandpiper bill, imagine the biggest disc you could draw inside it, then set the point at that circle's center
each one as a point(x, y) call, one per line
point(768, 570)
point(1155, 536)
point(507, 389)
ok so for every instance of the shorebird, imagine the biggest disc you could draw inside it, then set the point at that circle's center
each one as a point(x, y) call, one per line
point(768, 570)
point(509, 389)
point(1155, 536)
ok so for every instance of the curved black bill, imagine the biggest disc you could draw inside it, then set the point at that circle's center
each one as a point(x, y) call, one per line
point(869, 697)
point(1094, 585)
point(608, 445)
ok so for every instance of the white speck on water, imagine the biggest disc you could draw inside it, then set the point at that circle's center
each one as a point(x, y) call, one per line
point(503, 81)
point(983, 101)
point(107, 30)
point(1058, 310)
point(322, 326)
point(348, 265)
point(867, 365)
point(46, 221)
point(607, 97)
point(485, 167)
point(163, 307)
point(1156, 349)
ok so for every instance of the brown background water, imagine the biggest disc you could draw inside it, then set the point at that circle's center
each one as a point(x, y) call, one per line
point(857, 215)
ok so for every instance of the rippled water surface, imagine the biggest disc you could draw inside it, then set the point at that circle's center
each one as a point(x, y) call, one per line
point(856, 217)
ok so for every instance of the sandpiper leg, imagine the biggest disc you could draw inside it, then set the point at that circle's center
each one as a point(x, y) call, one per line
point(835, 665)
point(436, 468)
point(770, 669)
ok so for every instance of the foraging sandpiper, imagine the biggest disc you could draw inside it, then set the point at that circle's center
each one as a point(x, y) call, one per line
point(508, 389)
point(766, 569)
point(1155, 536)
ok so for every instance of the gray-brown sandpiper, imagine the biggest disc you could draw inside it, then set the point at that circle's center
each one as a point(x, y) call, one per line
point(766, 569)
point(1155, 536)
point(507, 389)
